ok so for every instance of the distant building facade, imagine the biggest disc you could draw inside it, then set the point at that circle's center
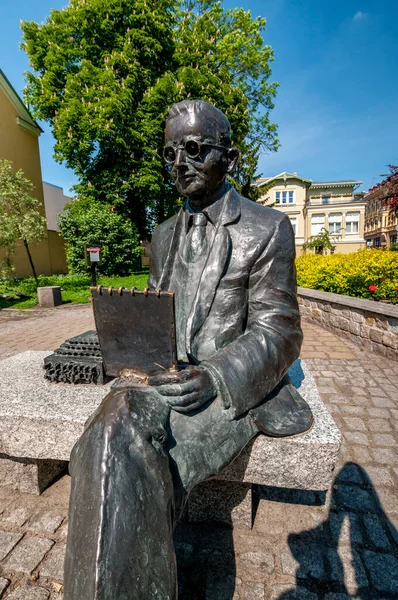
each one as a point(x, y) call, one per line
point(19, 143)
point(381, 221)
point(312, 206)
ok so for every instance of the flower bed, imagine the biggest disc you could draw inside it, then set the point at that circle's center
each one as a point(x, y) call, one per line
point(370, 274)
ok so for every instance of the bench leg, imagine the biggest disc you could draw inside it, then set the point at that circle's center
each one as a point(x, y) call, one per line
point(225, 502)
point(28, 475)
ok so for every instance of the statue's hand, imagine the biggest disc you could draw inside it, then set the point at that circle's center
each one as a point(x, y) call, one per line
point(186, 390)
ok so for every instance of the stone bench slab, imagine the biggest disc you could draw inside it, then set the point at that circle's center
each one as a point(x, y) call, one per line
point(42, 420)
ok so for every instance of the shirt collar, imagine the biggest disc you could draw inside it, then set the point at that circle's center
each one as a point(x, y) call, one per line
point(212, 212)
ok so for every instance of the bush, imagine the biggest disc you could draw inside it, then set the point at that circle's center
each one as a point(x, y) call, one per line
point(371, 274)
point(91, 223)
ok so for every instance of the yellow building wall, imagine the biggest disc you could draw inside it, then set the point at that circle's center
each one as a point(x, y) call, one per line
point(57, 250)
point(292, 210)
point(308, 202)
point(21, 147)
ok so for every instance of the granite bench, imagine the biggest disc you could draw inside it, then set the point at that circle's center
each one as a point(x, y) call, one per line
point(40, 422)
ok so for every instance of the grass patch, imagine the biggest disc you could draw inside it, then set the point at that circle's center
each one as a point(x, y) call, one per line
point(75, 288)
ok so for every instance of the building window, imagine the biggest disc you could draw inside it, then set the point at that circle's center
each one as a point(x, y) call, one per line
point(325, 200)
point(393, 239)
point(352, 223)
point(293, 221)
point(376, 242)
point(317, 223)
point(335, 223)
point(284, 197)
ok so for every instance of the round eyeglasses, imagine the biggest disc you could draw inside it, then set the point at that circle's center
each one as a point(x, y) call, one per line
point(191, 147)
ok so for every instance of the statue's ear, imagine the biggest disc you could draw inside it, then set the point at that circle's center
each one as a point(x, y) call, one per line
point(233, 156)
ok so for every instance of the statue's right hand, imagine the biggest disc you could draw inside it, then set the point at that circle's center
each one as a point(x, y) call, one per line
point(185, 390)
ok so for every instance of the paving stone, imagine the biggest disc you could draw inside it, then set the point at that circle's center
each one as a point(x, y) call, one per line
point(255, 565)
point(377, 391)
point(389, 500)
point(361, 454)
point(334, 596)
point(8, 541)
point(353, 498)
point(352, 473)
point(382, 402)
point(345, 528)
point(278, 592)
point(29, 592)
point(383, 570)
point(379, 425)
point(287, 592)
point(15, 516)
point(4, 583)
point(379, 413)
point(52, 566)
point(384, 439)
point(311, 563)
point(354, 423)
point(385, 455)
point(252, 590)
point(289, 563)
point(346, 568)
point(380, 476)
point(362, 401)
point(351, 410)
point(375, 533)
point(27, 555)
point(45, 521)
point(356, 437)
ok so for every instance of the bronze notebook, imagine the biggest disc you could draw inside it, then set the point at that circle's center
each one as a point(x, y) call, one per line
point(136, 330)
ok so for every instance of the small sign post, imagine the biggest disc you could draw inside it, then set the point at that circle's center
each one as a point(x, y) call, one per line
point(92, 258)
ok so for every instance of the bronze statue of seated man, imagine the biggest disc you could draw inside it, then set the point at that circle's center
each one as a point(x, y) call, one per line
point(230, 263)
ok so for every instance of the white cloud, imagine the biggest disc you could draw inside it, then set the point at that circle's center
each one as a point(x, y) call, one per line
point(359, 16)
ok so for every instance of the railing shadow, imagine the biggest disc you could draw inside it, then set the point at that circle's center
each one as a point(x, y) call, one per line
point(354, 553)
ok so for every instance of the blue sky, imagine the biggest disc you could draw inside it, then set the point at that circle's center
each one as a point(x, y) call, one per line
point(336, 63)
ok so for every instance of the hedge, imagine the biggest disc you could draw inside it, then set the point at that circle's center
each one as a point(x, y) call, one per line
point(371, 274)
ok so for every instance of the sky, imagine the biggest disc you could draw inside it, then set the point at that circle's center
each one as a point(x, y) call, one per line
point(336, 64)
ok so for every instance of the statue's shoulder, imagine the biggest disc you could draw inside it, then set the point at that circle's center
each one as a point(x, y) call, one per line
point(165, 229)
point(252, 210)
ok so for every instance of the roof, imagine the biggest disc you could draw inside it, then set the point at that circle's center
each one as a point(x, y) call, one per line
point(285, 175)
point(24, 118)
point(339, 183)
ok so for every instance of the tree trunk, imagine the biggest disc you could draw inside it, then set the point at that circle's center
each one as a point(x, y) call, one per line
point(31, 261)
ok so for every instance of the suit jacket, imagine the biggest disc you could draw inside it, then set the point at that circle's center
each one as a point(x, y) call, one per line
point(244, 325)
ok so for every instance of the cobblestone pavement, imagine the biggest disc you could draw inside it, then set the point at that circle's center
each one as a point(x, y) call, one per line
point(299, 548)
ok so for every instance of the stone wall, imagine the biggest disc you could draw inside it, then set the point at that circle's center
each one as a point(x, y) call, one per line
point(368, 323)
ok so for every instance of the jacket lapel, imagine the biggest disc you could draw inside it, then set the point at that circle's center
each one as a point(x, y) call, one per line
point(164, 280)
point(214, 268)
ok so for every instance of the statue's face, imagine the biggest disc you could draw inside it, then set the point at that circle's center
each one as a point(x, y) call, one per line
point(199, 165)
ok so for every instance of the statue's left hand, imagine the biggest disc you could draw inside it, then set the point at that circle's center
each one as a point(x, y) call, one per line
point(185, 390)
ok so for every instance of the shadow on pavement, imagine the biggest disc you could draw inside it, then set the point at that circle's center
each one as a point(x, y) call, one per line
point(354, 553)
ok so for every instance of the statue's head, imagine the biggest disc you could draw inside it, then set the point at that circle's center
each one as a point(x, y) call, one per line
point(198, 148)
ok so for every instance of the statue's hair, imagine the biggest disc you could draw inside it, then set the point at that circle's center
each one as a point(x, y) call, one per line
point(213, 114)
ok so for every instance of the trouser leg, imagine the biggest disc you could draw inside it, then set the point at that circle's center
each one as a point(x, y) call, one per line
point(121, 509)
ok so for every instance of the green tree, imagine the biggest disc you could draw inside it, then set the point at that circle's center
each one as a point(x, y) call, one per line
point(94, 61)
point(20, 215)
point(319, 242)
point(106, 72)
point(91, 223)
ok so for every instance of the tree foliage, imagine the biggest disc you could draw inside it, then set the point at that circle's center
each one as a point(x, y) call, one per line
point(106, 72)
point(90, 223)
point(389, 189)
point(20, 215)
point(319, 242)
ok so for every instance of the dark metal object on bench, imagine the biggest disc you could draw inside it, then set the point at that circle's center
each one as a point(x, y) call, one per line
point(77, 360)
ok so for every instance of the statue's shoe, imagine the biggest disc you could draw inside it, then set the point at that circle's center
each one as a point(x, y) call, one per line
point(284, 412)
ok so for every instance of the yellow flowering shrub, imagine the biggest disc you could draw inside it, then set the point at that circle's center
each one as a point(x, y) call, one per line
point(371, 274)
